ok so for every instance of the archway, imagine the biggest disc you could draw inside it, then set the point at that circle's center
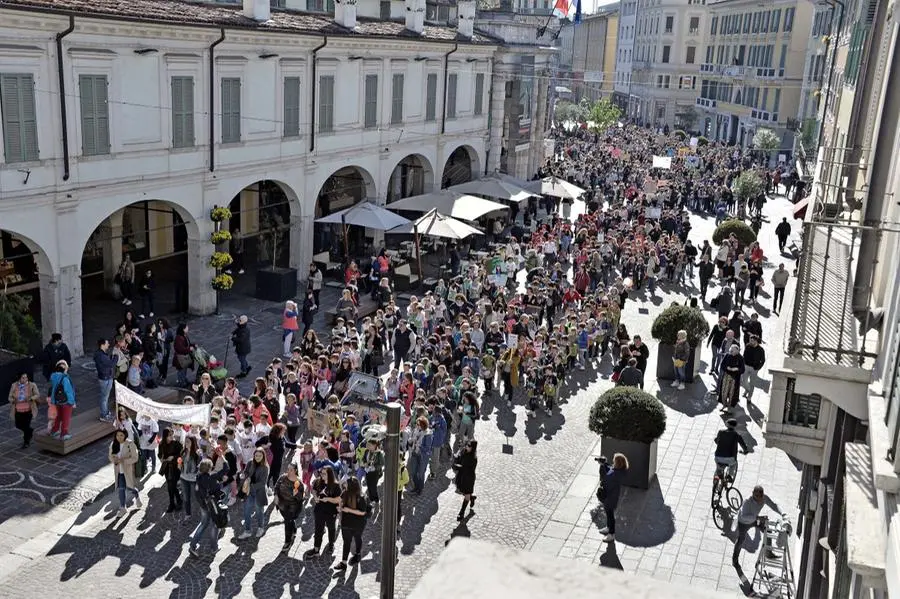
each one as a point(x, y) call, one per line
point(344, 188)
point(462, 166)
point(154, 235)
point(23, 265)
point(261, 231)
point(411, 177)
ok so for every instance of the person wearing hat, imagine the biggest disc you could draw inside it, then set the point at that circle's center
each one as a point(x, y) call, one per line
point(240, 338)
point(728, 440)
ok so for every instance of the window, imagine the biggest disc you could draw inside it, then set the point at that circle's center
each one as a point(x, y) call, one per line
point(397, 99)
point(93, 91)
point(694, 25)
point(713, 24)
point(789, 19)
point(776, 101)
point(691, 55)
point(709, 54)
point(19, 118)
point(231, 110)
point(747, 17)
point(451, 96)
point(479, 94)
point(370, 118)
point(756, 22)
point(665, 53)
point(430, 97)
point(776, 20)
point(320, 5)
point(326, 103)
point(765, 98)
point(670, 23)
point(801, 410)
point(291, 107)
point(783, 59)
point(182, 112)
point(385, 10)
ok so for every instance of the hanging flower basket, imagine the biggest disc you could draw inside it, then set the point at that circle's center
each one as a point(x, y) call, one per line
point(219, 214)
point(222, 282)
point(220, 260)
point(220, 237)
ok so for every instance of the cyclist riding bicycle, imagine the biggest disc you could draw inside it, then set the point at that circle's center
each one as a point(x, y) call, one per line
point(728, 440)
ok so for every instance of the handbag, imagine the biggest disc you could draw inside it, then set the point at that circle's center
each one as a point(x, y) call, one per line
point(601, 494)
point(184, 361)
point(615, 376)
point(245, 487)
point(678, 363)
point(217, 511)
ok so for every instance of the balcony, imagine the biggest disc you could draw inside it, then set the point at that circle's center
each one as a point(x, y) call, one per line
point(763, 116)
point(734, 71)
point(737, 110)
point(706, 103)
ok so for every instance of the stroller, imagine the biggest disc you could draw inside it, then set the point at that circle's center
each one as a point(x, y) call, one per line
point(206, 362)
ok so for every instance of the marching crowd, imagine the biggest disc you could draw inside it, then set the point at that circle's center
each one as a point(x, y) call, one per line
point(513, 328)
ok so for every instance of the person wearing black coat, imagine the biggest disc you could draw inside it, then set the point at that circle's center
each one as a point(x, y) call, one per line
point(53, 352)
point(169, 451)
point(289, 501)
point(611, 477)
point(309, 310)
point(736, 324)
point(732, 368)
point(240, 338)
point(640, 352)
point(208, 489)
point(464, 464)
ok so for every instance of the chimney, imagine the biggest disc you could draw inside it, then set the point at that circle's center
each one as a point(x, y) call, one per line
point(258, 10)
point(345, 13)
point(465, 18)
point(415, 15)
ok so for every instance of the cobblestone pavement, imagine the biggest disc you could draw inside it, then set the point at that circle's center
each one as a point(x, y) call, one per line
point(533, 477)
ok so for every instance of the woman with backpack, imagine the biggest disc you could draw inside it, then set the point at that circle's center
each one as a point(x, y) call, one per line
point(62, 397)
point(209, 488)
point(253, 487)
point(354, 511)
point(289, 501)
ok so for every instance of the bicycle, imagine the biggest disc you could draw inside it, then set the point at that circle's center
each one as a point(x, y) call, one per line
point(723, 485)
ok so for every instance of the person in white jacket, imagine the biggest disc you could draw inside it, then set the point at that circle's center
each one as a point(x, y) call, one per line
point(148, 429)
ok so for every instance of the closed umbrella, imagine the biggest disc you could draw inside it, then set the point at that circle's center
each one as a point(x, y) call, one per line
point(452, 203)
point(364, 214)
point(495, 188)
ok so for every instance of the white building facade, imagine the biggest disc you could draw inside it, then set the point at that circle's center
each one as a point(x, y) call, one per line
point(121, 133)
point(624, 54)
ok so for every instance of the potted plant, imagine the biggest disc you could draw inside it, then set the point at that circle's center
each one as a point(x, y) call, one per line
point(274, 283)
point(218, 238)
point(219, 214)
point(665, 330)
point(741, 230)
point(630, 421)
point(222, 282)
point(19, 337)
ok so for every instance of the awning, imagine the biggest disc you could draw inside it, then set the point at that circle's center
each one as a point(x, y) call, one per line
point(800, 208)
point(563, 90)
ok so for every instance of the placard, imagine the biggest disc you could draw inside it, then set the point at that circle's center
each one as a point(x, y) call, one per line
point(694, 142)
point(663, 162)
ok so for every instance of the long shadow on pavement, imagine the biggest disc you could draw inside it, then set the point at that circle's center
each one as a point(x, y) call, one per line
point(693, 401)
point(642, 519)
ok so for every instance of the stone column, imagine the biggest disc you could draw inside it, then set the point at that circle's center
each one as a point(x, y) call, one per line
point(61, 307)
point(302, 244)
point(538, 120)
point(495, 134)
point(201, 295)
point(111, 241)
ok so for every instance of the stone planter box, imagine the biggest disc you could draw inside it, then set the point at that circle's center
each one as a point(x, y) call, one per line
point(641, 460)
point(276, 284)
point(665, 370)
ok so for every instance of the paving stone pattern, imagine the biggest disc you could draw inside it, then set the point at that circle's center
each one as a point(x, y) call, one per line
point(535, 481)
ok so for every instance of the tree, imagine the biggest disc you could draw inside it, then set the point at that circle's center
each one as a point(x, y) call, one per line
point(809, 138)
point(604, 114)
point(566, 112)
point(687, 117)
point(747, 186)
point(766, 141)
point(17, 328)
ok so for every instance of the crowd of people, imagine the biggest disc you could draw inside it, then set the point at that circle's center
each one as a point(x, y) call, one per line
point(513, 327)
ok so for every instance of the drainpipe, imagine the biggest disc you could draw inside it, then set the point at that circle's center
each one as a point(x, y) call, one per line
point(490, 123)
point(446, 82)
point(212, 100)
point(312, 93)
point(62, 94)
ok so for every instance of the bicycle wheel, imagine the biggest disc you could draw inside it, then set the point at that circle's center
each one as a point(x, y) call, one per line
point(716, 493)
point(719, 517)
point(734, 498)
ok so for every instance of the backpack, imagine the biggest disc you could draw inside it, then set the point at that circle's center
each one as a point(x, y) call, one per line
point(218, 511)
point(59, 392)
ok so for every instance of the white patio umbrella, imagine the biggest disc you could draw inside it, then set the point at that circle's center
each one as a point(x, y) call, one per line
point(364, 214)
point(494, 187)
point(451, 203)
point(435, 224)
point(560, 188)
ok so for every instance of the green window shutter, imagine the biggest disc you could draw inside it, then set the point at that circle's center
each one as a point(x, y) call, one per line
point(231, 110)
point(101, 113)
point(93, 92)
point(19, 118)
point(479, 94)
point(187, 106)
point(291, 106)
point(431, 97)
point(182, 112)
point(451, 96)
point(397, 99)
point(371, 102)
point(326, 103)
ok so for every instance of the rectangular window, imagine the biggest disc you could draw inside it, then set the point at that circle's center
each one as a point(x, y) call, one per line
point(766, 17)
point(94, 93)
point(326, 103)
point(182, 112)
point(19, 118)
point(431, 97)
point(789, 19)
point(756, 22)
point(451, 96)
point(479, 94)
point(783, 59)
point(385, 10)
point(691, 55)
point(746, 22)
point(371, 102)
point(231, 110)
point(776, 20)
point(694, 25)
point(709, 54)
point(670, 23)
point(292, 106)
point(665, 53)
point(713, 24)
point(765, 98)
point(397, 99)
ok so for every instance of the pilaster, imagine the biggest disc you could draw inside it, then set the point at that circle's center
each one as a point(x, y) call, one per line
point(201, 295)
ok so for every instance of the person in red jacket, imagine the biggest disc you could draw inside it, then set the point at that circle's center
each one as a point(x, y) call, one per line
point(582, 280)
point(571, 296)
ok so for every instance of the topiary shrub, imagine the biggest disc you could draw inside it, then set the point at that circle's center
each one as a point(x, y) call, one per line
point(702, 141)
point(741, 230)
point(680, 134)
point(628, 414)
point(676, 318)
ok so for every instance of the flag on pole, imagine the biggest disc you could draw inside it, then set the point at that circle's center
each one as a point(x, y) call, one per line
point(577, 19)
point(561, 9)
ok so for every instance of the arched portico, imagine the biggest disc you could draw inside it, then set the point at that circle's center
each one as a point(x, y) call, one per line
point(414, 175)
point(345, 187)
point(462, 165)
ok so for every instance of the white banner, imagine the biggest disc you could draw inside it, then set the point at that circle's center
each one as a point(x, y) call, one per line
point(175, 413)
point(662, 162)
